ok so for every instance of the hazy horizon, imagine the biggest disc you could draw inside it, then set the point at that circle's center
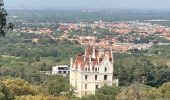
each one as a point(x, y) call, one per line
point(80, 4)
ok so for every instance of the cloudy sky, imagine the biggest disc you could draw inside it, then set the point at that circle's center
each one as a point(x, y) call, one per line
point(54, 4)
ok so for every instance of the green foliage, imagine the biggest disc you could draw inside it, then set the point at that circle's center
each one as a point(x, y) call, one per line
point(90, 97)
point(59, 85)
point(150, 38)
point(144, 67)
point(142, 92)
point(14, 44)
point(165, 90)
point(5, 93)
point(133, 92)
point(104, 93)
point(3, 20)
point(110, 91)
point(24, 59)
point(41, 97)
point(19, 87)
point(3, 15)
point(161, 50)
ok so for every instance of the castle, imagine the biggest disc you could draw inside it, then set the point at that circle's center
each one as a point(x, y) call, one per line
point(92, 70)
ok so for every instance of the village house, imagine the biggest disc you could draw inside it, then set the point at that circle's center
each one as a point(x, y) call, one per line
point(60, 70)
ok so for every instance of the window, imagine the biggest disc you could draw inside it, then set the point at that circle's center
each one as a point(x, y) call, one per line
point(95, 77)
point(97, 86)
point(62, 68)
point(64, 72)
point(86, 69)
point(85, 77)
point(105, 77)
point(59, 72)
point(85, 86)
point(105, 69)
point(96, 69)
point(93, 68)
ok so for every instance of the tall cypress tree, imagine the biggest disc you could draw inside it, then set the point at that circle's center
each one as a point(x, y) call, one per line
point(3, 21)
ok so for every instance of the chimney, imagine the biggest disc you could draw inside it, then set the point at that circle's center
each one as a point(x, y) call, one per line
point(71, 63)
point(111, 53)
point(85, 51)
point(84, 58)
point(93, 53)
point(90, 58)
point(98, 59)
point(90, 61)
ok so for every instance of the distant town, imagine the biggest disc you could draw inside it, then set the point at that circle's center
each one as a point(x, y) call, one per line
point(120, 36)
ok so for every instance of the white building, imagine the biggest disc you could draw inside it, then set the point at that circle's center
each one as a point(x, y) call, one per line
point(92, 70)
point(60, 70)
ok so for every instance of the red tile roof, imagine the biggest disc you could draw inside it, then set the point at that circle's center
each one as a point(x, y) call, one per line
point(82, 60)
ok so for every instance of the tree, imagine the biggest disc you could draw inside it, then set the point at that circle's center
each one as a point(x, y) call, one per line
point(161, 93)
point(133, 92)
point(3, 20)
point(3, 15)
point(109, 92)
point(19, 87)
point(5, 93)
point(153, 93)
point(37, 58)
point(41, 97)
point(104, 93)
point(58, 86)
point(165, 90)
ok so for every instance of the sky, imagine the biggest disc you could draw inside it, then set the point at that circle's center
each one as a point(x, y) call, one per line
point(100, 4)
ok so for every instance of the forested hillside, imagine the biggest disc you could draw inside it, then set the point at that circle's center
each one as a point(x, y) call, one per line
point(20, 58)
